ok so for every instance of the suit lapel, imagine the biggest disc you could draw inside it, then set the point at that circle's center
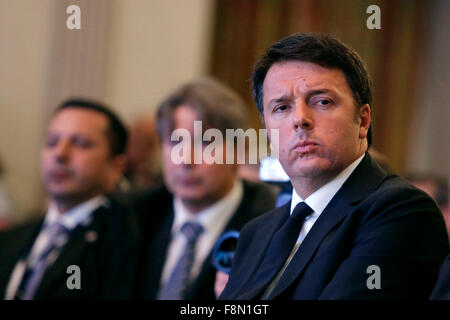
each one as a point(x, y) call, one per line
point(156, 254)
point(243, 214)
point(30, 239)
point(80, 238)
point(235, 222)
point(330, 217)
point(253, 284)
point(14, 248)
point(364, 179)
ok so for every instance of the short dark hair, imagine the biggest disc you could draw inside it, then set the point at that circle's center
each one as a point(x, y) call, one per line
point(215, 103)
point(117, 133)
point(323, 50)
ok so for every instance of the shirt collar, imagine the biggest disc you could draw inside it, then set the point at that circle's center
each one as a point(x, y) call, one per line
point(80, 214)
point(320, 198)
point(210, 217)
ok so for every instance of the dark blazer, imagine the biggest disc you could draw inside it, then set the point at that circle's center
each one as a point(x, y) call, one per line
point(442, 289)
point(374, 219)
point(105, 251)
point(156, 218)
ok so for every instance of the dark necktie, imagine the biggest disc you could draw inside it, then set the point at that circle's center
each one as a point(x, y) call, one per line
point(282, 243)
point(57, 235)
point(179, 279)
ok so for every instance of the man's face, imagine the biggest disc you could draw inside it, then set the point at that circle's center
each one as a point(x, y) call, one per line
point(200, 184)
point(75, 159)
point(320, 130)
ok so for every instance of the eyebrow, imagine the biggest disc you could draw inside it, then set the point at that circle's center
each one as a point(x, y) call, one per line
point(308, 95)
point(280, 99)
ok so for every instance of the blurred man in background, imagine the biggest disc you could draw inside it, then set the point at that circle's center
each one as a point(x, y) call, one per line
point(182, 221)
point(437, 188)
point(143, 168)
point(84, 248)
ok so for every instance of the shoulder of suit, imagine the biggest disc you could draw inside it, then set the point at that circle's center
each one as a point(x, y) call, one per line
point(260, 187)
point(266, 217)
point(27, 226)
point(396, 197)
point(150, 197)
point(151, 207)
point(118, 218)
point(14, 239)
point(394, 187)
point(261, 195)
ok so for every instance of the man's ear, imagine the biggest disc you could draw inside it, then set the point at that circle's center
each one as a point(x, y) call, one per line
point(119, 162)
point(116, 168)
point(364, 120)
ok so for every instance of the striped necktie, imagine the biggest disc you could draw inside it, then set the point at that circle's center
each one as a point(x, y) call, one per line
point(175, 288)
point(57, 237)
point(282, 243)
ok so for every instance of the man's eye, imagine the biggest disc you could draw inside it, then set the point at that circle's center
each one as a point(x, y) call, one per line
point(281, 108)
point(324, 102)
point(81, 143)
point(51, 141)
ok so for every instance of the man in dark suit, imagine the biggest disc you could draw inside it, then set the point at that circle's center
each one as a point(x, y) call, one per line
point(85, 246)
point(351, 231)
point(209, 196)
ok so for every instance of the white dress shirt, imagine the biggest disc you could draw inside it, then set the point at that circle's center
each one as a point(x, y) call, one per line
point(213, 219)
point(317, 201)
point(78, 215)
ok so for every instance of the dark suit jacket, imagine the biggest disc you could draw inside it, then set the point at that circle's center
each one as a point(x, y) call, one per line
point(156, 218)
point(442, 289)
point(374, 219)
point(105, 250)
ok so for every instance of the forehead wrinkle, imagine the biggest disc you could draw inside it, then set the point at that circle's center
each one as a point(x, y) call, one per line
point(321, 83)
point(280, 91)
point(305, 76)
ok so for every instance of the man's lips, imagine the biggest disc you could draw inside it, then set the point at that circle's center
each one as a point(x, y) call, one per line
point(305, 146)
point(58, 175)
point(188, 180)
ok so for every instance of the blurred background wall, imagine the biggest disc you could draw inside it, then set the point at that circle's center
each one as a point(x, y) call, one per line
point(130, 54)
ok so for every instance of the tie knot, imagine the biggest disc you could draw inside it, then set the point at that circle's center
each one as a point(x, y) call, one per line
point(301, 211)
point(56, 228)
point(191, 230)
point(57, 233)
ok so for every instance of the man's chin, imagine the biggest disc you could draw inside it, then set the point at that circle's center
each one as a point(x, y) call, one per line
point(68, 195)
point(310, 168)
point(190, 196)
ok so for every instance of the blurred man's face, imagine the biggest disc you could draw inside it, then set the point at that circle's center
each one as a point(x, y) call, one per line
point(198, 185)
point(320, 131)
point(75, 159)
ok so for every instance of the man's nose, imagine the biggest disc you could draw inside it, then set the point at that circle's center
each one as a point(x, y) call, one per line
point(303, 116)
point(62, 151)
